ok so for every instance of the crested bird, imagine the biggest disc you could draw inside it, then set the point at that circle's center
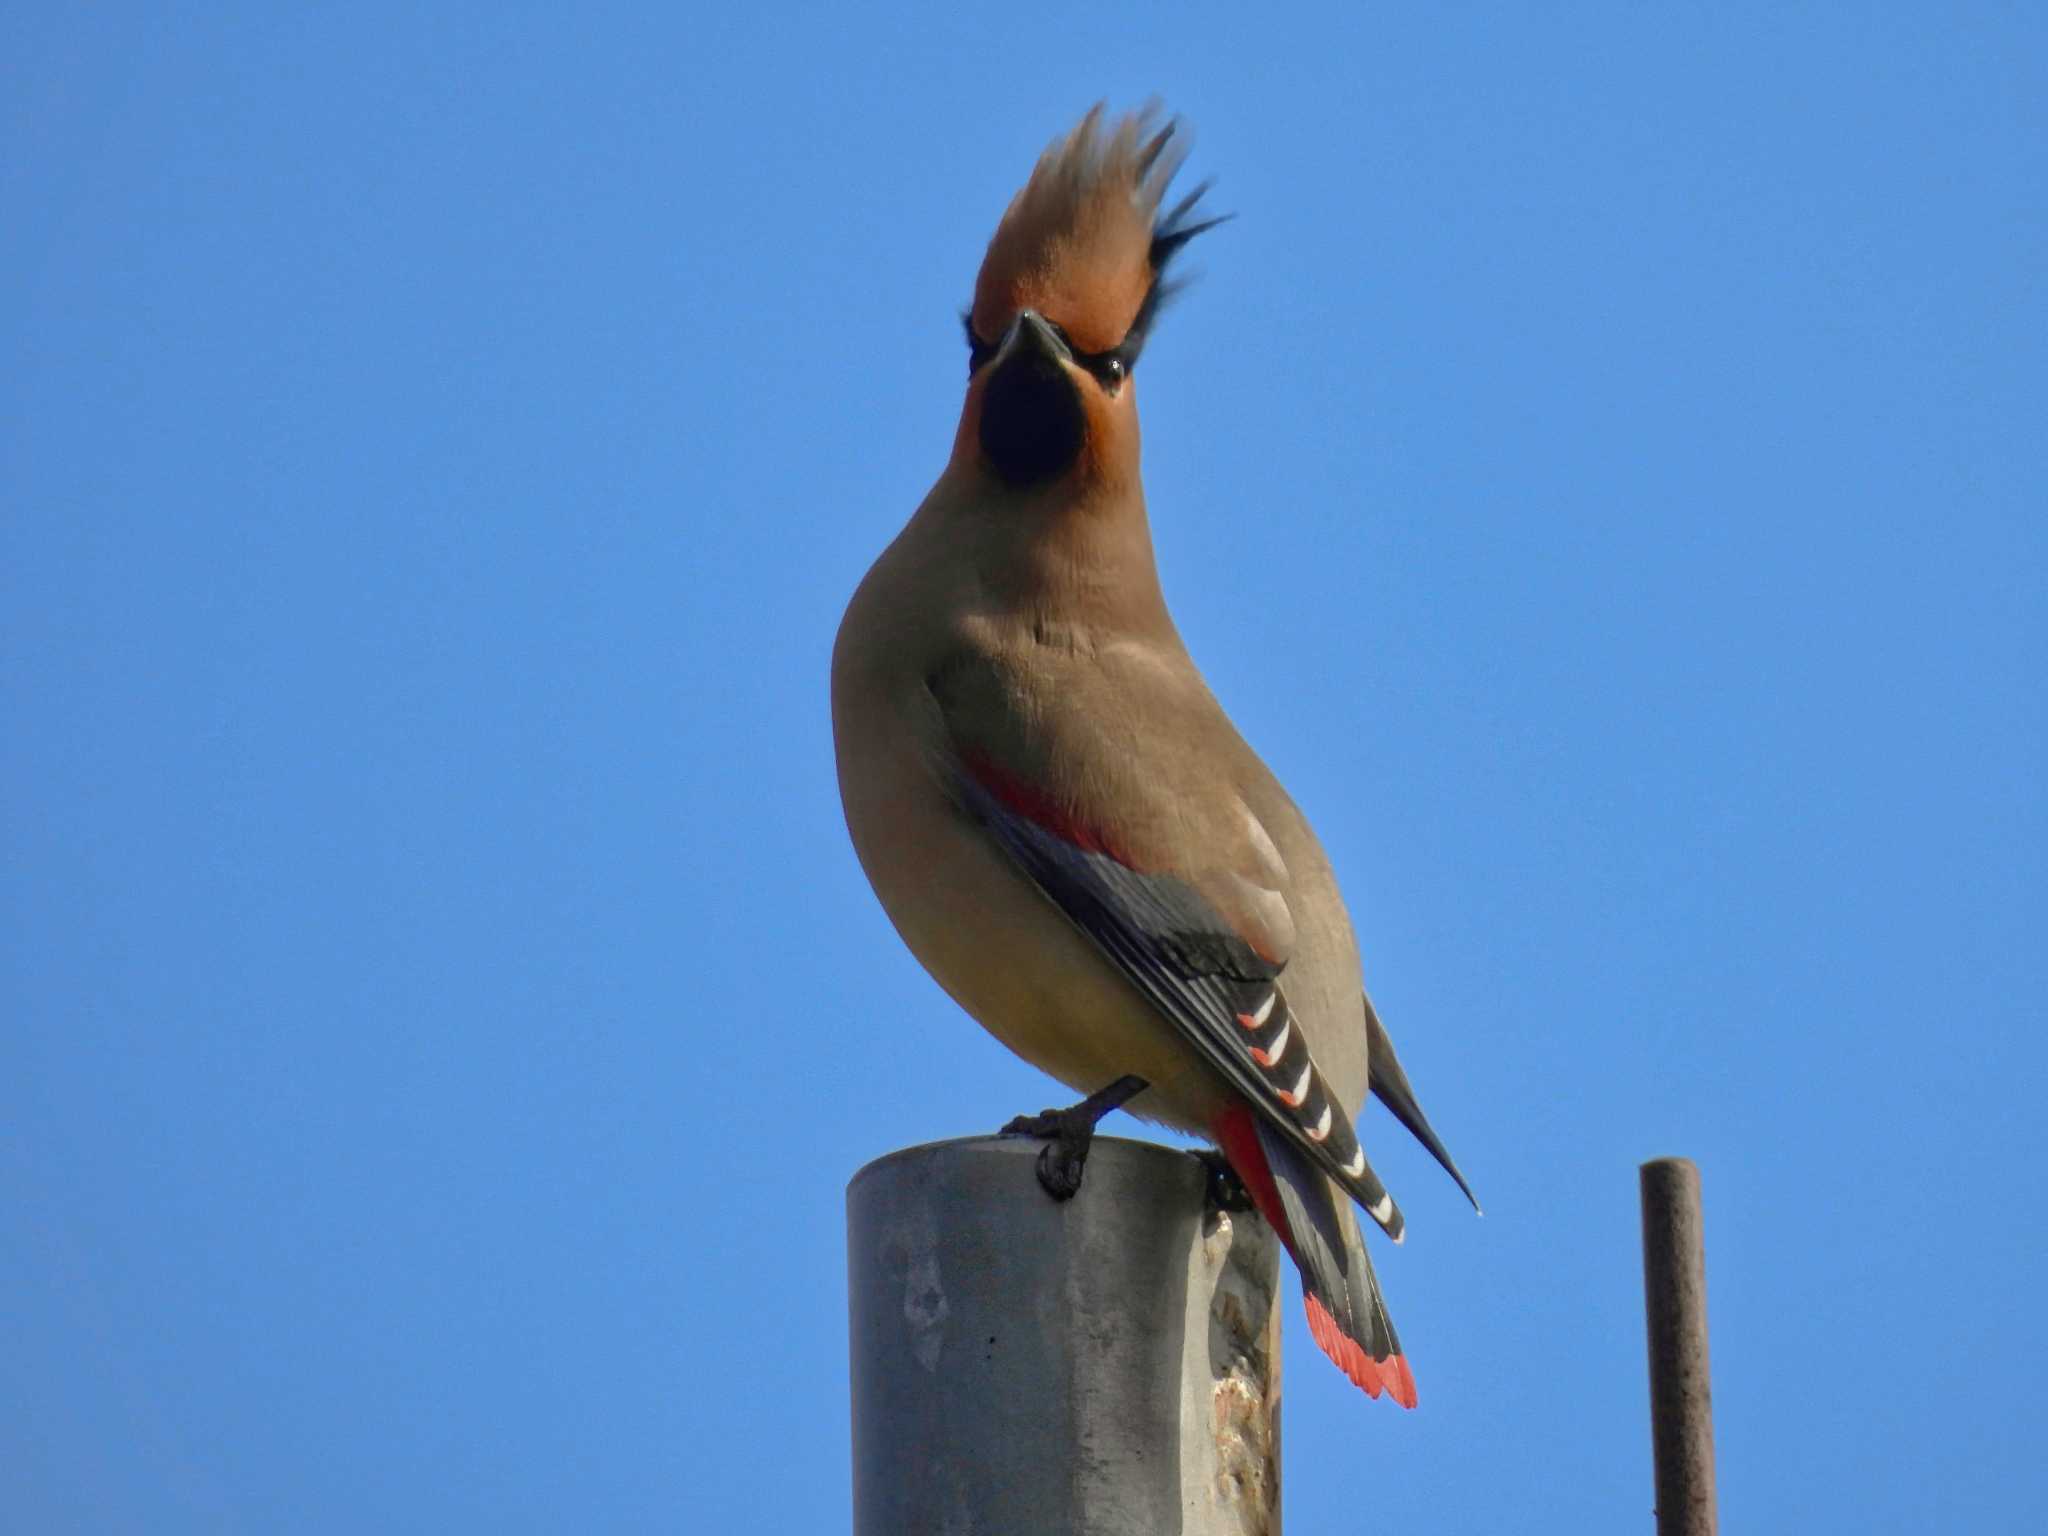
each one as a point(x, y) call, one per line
point(1058, 817)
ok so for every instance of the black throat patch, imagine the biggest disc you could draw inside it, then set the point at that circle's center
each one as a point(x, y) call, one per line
point(1032, 425)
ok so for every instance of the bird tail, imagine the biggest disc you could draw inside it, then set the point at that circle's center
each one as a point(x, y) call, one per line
point(1346, 1314)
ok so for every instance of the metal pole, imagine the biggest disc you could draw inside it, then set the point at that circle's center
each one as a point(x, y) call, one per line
point(1107, 1364)
point(1681, 1394)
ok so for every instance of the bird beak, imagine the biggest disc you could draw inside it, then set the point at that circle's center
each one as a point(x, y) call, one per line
point(1032, 422)
point(1032, 335)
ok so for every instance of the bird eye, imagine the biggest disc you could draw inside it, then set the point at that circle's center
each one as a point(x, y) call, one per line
point(978, 351)
point(1110, 368)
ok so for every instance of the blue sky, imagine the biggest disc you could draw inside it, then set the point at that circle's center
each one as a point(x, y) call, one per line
point(1601, 468)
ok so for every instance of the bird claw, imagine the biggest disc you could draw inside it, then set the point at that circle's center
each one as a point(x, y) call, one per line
point(1060, 1165)
point(1067, 1134)
point(1227, 1191)
point(1045, 1123)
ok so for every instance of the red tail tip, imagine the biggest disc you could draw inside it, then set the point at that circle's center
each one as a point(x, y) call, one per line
point(1390, 1375)
point(1240, 1142)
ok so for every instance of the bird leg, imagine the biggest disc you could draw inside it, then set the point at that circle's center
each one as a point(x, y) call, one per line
point(1067, 1133)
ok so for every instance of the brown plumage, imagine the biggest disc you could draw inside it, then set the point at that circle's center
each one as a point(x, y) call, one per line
point(1055, 811)
point(1085, 244)
point(1076, 241)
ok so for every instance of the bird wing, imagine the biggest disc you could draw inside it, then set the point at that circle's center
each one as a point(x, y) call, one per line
point(1205, 938)
point(1390, 1085)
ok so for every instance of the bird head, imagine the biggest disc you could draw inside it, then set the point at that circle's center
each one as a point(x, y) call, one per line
point(1073, 280)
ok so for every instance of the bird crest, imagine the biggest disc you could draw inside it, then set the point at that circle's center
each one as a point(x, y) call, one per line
point(1085, 242)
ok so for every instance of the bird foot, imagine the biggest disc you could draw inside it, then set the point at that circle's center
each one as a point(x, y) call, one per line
point(1226, 1189)
point(1067, 1134)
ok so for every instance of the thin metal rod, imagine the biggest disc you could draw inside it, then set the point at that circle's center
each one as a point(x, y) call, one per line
point(1675, 1304)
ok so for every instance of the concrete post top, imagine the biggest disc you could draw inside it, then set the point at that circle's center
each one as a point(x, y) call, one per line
point(1103, 1366)
point(1114, 1153)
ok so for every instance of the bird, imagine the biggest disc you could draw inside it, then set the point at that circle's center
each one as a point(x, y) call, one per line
point(1057, 815)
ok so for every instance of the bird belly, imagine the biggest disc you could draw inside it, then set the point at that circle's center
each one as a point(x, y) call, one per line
point(1004, 952)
